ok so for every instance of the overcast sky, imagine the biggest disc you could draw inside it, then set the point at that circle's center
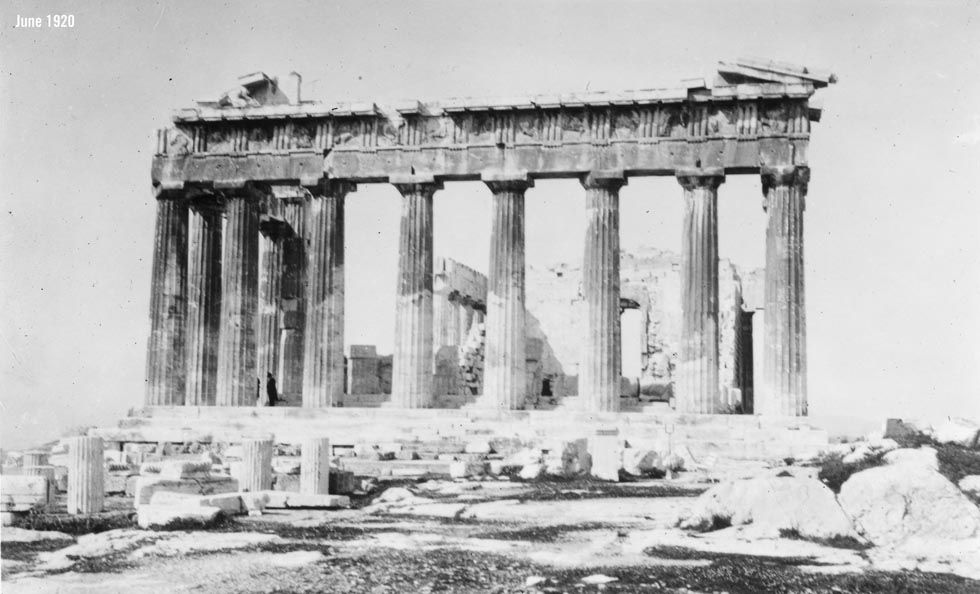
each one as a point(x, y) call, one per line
point(892, 249)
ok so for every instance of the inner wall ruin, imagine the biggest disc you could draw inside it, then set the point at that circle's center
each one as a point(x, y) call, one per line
point(248, 270)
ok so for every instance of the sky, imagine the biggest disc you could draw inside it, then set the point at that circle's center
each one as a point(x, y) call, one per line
point(892, 252)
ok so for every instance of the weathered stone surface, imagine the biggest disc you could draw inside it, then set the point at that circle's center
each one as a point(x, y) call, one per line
point(165, 361)
point(323, 367)
point(237, 383)
point(970, 485)
point(146, 486)
point(204, 301)
point(86, 466)
point(641, 462)
point(924, 457)
point(893, 502)
point(772, 504)
point(256, 470)
point(957, 431)
point(315, 466)
point(606, 451)
point(600, 367)
point(531, 471)
point(21, 493)
point(412, 374)
point(12, 534)
point(782, 389)
point(463, 469)
point(285, 500)
point(568, 458)
point(697, 380)
point(183, 469)
point(230, 503)
point(505, 381)
point(162, 516)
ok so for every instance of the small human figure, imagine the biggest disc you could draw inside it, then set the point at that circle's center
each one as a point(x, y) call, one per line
point(270, 389)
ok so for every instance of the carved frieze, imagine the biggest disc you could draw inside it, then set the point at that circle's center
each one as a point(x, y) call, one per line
point(553, 126)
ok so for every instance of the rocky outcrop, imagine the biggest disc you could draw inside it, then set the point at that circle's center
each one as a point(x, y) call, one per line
point(908, 499)
point(772, 505)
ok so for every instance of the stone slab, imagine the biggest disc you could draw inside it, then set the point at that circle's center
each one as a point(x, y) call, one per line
point(287, 500)
point(23, 492)
point(146, 486)
point(160, 516)
point(230, 503)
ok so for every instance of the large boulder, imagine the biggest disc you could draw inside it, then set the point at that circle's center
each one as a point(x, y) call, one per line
point(970, 485)
point(924, 457)
point(957, 431)
point(772, 504)
point(893, 502)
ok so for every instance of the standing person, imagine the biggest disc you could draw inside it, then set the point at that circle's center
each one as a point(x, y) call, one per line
point(270, 389)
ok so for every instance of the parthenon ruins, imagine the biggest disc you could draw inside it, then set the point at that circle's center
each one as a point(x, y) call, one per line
point(249, 273)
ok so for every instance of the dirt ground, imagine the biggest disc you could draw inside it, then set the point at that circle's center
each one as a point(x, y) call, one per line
point(492, 536)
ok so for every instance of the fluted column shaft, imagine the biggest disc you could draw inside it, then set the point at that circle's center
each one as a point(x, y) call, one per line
point(237, 373)
point(86, 485)
point(204, 304)
point(697, 378)
point(600, 367)
point(271, 246)
point(314, 467)
point(294, 287)
point(256, 465)
point(784, 366)
point(323, 368)
point(165, 360)
point(504, 376)
point(411, 384)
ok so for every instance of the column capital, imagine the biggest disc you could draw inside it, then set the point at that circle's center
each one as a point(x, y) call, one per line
point(706, 177)
point(334, 188)
point(205, 203)
point(608, 179)
point(507, 181)
point(785, 175)
point(415, 183)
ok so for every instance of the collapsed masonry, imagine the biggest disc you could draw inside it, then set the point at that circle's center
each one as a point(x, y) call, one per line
point(650, 324)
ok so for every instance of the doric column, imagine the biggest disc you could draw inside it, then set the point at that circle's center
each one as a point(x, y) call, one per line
point(275, 232)
point(256, 465)
point(237, 373)
point(783, 389)
point(504, 376)
point(165, 356)
point(600, 368)
point(86, 485)
point(323, 368)
point(314, 467)
point(697, 377)
point(294, 281)
point(411, 384)
point(204, 306)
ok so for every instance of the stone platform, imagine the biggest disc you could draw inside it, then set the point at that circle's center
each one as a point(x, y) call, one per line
point(699, 437)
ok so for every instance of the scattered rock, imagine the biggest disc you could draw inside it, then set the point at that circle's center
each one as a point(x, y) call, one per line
point(924, 457)
point(12, 534)
point(297, 559)
point(893, 502)
point(970, 484)
point(534, 580)
point(598, 579)
point(394, 494)
point(957, 431)
point(772, 504)
point(641, 462)
point(164, 516)
point(531, 471)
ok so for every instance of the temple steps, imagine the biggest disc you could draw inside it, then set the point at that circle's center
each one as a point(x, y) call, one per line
point(431, 432)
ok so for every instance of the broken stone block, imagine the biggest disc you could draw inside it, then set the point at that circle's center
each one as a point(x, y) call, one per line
point(162, 516)
point(342, 482)
point(230, 503)
point(21, 493)
point(285, 500)
point(184, 469)
point(641, 461)
point(285, 482)
point(531, 471)
point(568, 458)
point(464, 469)
point(146, 486)
point(606, 454)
